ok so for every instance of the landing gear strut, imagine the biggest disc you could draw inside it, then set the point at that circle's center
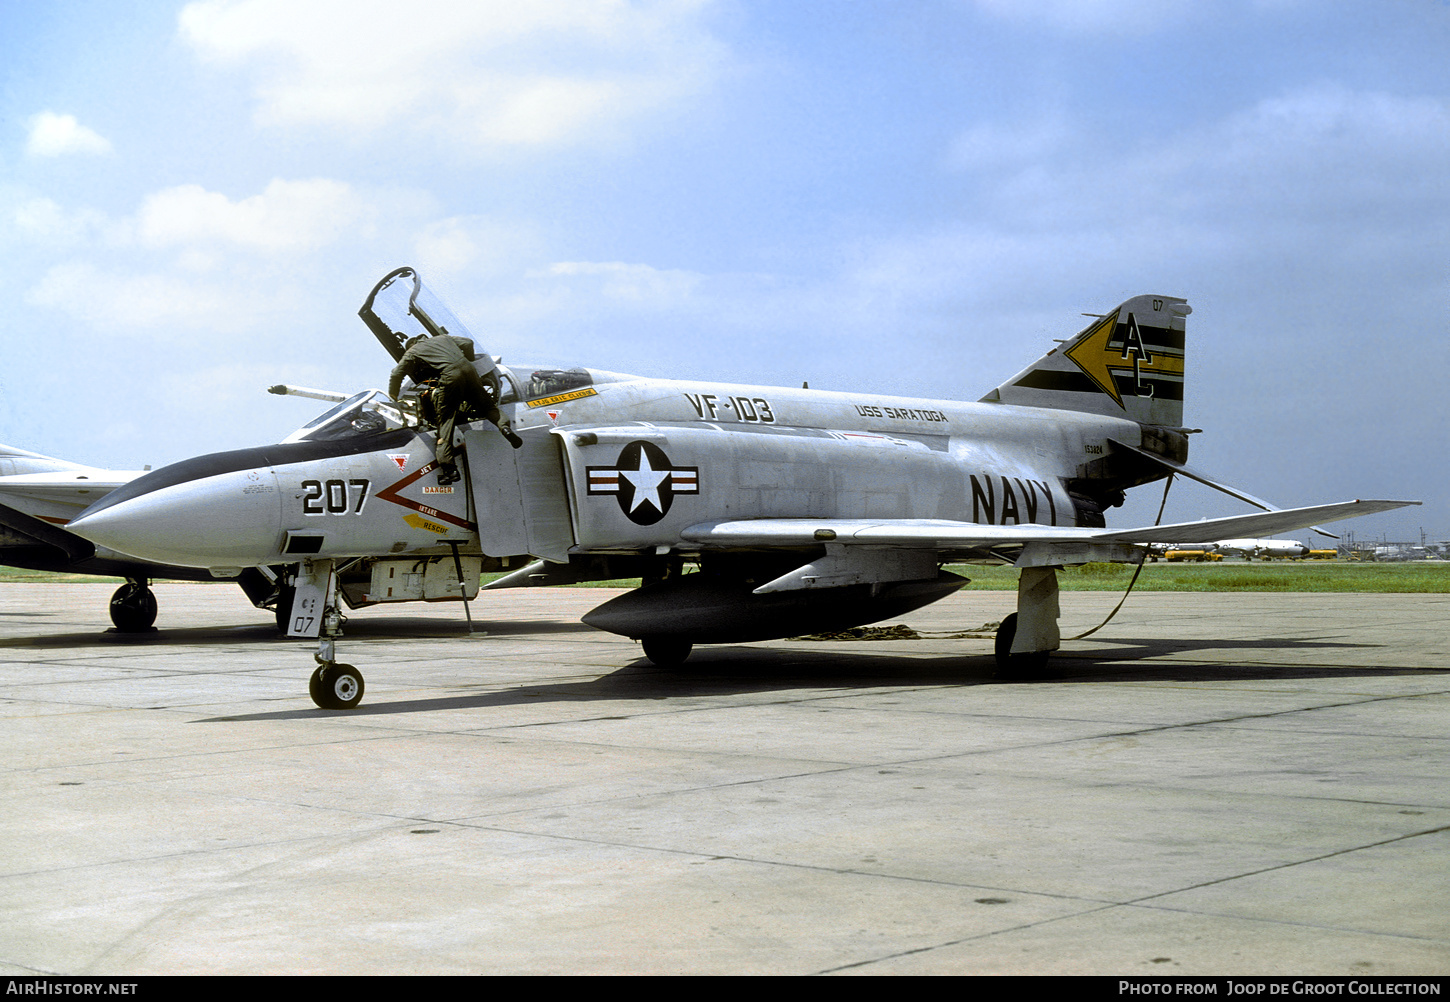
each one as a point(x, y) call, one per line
point(1027, 638)
point(283, 610)
point(333, 686)
point(133, 606)
point(1011, 665)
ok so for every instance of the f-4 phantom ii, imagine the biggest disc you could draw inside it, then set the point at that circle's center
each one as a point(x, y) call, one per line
point(798, 510)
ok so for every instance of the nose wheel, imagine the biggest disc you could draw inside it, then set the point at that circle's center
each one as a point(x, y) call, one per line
point(333, 686)
point(133, 606)
point(336, 686)
point(666, 651)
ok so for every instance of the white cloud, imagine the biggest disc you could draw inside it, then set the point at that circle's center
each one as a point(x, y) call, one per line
point(288, 216)
point(191, 261)
point(46, 221)
point(498, 72)
point(108, 300)
point(291, 261)
point(1320, 156)
point(1124, 18)
point(632, 283)
point(53, 135)
point(1358, 127)
point(445, 246)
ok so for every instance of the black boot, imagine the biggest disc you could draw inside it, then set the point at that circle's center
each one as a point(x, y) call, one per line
point(447, 475)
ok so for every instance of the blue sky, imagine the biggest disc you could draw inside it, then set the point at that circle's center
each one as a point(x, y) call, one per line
point(908, 198)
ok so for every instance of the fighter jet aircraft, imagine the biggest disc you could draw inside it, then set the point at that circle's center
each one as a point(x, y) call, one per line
point(793, 510)
point(39, 495)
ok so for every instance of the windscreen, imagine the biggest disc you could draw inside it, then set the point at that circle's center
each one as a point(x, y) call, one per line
point(365, 413)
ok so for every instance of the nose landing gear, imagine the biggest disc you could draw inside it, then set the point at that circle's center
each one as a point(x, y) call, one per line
point(335, 686)
point(314, 612)
point(133, 606)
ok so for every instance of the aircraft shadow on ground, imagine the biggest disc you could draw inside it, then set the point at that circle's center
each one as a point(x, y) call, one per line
point(221, 636)
point(717, 671)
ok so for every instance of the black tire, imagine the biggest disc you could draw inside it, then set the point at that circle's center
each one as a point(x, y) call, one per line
point(336, 687)
point(666, 651)
point(133, 608)
point(1011, 665)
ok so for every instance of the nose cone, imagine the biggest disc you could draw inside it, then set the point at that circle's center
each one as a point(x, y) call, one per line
point(233, 519)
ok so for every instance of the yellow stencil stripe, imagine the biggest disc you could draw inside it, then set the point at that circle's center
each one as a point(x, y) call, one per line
point(560, 398)
point(419, 522)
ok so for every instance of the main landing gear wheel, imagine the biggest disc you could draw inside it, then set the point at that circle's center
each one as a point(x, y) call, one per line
point(1011, 665)
point(666, 651)
point(336, 687)
point(133, 607)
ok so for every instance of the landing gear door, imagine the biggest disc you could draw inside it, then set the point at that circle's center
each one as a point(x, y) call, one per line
point(309, 602)
point(520, 495)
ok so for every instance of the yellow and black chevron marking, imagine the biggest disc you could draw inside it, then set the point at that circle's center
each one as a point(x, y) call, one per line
point(1131, 358)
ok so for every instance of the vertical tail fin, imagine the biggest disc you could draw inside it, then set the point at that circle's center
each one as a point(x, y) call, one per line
point(1127, 363)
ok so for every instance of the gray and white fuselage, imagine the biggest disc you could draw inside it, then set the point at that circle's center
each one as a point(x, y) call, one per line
point(616, 464)
point(804, 510)
point(755, 452)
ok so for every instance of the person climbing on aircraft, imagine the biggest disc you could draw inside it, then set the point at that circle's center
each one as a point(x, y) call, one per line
point(447, 363)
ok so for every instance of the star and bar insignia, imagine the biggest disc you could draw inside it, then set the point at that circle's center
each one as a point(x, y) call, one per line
point(643, 481)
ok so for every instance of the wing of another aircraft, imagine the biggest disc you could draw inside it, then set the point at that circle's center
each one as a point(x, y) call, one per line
point(17, 529)
point(41, 496)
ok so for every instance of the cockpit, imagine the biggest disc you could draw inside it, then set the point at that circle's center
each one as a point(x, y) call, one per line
point(401, 307)
point(367, 413)
point(547, 382)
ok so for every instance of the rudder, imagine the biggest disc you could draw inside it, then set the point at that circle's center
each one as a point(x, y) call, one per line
point(1126, 363)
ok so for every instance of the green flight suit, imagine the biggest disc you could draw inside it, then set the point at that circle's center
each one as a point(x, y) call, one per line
point(458, 392)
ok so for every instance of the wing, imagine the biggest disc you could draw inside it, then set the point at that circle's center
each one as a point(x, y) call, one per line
point(1257, 526)
point(942, 534)
point(56, 497)
point(19, 529)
